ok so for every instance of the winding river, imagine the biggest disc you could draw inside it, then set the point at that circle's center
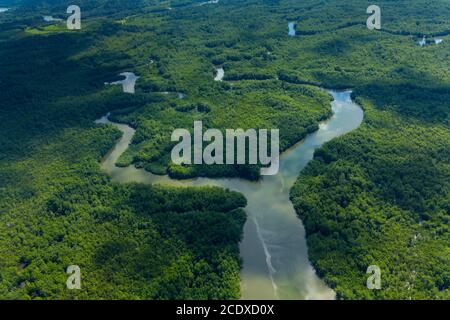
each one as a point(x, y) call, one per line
point(273, 248)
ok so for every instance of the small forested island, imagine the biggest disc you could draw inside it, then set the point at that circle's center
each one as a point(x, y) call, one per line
point(378, 195)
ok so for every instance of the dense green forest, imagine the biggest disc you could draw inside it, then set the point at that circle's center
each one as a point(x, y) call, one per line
point(379, 195)
point(57, 208)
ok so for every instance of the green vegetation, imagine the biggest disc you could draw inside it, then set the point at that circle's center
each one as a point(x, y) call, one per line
point(380, 196)
point(376, 196)
point(47, 29)
point(253, 105)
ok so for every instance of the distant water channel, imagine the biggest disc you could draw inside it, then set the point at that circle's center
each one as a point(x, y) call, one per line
point(291, 27)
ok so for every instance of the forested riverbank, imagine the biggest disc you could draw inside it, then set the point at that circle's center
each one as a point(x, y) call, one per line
point(377, 196)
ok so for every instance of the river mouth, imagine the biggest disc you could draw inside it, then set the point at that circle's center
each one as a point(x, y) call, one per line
point(273, 248)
